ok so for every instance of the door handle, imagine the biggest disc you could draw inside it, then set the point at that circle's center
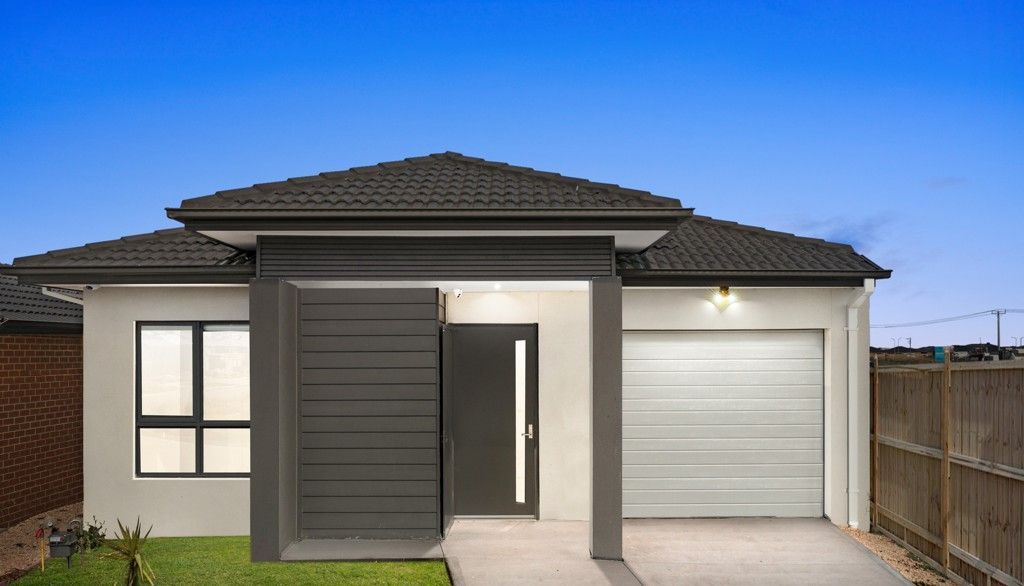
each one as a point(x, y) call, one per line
point(529, 431)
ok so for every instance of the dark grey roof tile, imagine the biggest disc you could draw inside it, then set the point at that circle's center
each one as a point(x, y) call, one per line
point(440, 181)
point(175, 247)
point(27, 303)
point(704, 245)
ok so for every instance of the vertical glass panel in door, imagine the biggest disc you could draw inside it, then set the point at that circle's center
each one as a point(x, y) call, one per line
point(520, 426)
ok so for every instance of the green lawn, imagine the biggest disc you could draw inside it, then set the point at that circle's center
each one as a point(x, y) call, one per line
point(225, 560)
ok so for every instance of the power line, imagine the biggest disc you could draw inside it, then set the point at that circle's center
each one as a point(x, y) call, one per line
point(947, 319)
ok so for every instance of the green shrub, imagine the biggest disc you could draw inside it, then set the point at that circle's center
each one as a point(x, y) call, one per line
point(128, 549)
point(90, 536)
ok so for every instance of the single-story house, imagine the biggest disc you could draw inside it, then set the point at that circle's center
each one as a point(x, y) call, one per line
point(365, 354)
point(40, 399)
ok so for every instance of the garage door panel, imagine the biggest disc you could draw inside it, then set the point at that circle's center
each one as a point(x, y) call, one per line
point(719, 404)
point(663, 350)
point(721, 431)
point(724, 457)
point(722, 496)
point(723, 471)
point(722, 424)
point(739, 483)
point(720, 417)
point(724, 392)
point(719, 365)
point(723, 510)
point(720, 443)
point(727, 337)
point(757, 377)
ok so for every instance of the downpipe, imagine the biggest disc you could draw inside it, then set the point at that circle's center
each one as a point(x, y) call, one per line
point(861, 296)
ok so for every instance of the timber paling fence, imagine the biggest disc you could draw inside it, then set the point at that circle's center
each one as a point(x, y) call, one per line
point(947, 469)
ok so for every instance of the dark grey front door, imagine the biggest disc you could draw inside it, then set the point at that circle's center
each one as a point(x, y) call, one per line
point(494, 383)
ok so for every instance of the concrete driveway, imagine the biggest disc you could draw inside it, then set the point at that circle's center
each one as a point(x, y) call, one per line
point(662, 551)
point(496, 552)
point(749, 551)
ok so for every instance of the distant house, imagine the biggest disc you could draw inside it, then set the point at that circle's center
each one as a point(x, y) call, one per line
point(40, 400)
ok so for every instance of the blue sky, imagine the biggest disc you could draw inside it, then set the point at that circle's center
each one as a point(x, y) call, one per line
point(899, 129)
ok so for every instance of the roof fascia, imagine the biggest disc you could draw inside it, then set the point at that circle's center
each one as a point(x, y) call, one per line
point(28, 327)
point(662, 222)
point(189, 215)
point(632, 278)
point(134, 275)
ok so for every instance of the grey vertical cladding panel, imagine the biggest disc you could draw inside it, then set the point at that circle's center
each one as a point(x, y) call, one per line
point(368, 364)
point(357, 257)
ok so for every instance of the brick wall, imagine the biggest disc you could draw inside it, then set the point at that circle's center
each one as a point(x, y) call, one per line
point(40, 424)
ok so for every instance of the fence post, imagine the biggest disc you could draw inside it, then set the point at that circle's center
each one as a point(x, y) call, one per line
point(875, 411)
point(946, 407)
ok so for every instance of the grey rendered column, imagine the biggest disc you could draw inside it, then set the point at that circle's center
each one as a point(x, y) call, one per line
point(606, 418)
point(273, 483)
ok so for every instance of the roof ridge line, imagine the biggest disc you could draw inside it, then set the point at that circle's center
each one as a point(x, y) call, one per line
point(450, 155)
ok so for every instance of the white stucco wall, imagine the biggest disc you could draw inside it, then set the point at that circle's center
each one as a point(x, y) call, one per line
point(174, 506)
point(781, 309)
point(221, 506)
point(563, 372)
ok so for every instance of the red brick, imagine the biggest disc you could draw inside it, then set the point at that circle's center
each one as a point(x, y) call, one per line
point(40, 424)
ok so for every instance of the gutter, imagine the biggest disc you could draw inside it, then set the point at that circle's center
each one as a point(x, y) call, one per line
point(231, 274)
point(861, 296)
point(62, 296)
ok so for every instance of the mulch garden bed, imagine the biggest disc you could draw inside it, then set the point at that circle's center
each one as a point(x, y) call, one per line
point(18, 550)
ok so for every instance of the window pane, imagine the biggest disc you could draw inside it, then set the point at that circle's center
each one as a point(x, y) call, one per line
point(226, 372)
point(167, 370)
point(225, 450)
point(167, 450)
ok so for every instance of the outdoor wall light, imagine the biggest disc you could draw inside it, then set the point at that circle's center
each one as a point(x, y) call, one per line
point(723, 298)
point(497, 286)
point(458, 293)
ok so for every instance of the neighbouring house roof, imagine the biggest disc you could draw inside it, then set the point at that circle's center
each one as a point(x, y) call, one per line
point(719, 251)
point(25, 308)
point(445, 181)
point(176, 253)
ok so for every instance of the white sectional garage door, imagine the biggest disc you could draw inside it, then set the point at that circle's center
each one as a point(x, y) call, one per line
point(722, 424)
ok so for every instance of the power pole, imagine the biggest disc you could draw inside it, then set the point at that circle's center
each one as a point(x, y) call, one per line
point(999, 328)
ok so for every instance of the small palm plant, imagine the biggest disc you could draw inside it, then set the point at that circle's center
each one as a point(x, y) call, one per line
point(128, 548)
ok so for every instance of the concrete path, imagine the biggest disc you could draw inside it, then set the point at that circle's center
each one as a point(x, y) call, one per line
point(308, 550)
point(749, 551)
point(512, 551)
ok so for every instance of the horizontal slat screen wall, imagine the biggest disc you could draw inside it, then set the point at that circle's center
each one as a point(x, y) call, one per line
point(435, 257)
point(368, 457)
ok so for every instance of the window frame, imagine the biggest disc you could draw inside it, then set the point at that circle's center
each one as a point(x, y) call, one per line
point(194, 421)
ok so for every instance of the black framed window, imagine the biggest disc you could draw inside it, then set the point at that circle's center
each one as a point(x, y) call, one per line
point(192, 399)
